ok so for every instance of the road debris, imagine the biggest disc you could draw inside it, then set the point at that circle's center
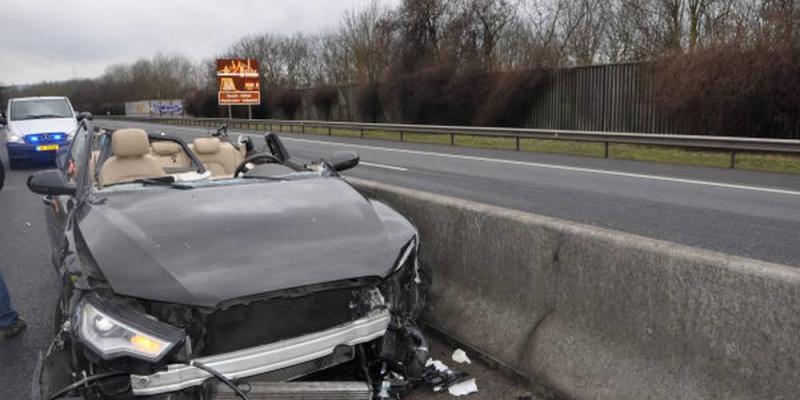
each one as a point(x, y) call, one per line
point(460, 357)
point(463, 388)
point(438, 365)
point(441, 378)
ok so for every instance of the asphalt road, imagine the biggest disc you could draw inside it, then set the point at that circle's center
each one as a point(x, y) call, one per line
point(33, 282)
point(744, 213)
point(31, 278)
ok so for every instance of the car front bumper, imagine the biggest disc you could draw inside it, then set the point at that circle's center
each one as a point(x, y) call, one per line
point(266, 358)
point(26, 151)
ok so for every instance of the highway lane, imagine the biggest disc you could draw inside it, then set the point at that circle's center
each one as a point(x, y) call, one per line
point(745, 213)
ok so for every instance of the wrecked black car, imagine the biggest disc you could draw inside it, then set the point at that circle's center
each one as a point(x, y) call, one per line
point(213, 270)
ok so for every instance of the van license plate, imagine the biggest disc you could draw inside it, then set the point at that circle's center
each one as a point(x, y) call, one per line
point(49, 147)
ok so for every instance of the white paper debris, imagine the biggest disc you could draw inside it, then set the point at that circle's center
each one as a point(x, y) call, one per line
point(436, 364)
point(464, 388)
point(460, 357)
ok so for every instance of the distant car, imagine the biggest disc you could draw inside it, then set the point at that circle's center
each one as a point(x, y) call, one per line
point(37, 127)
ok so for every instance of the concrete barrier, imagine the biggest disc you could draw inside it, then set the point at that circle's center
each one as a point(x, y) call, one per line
point(599, 314)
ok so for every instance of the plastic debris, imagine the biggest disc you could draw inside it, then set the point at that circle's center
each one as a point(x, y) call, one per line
point(438, 365)
point(463, 388)
point(460, 357)
point(440, 377)
point(385, 387)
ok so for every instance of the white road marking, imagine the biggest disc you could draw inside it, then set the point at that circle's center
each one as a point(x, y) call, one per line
point(550, 166)
point(557, 167)
point(393, 168)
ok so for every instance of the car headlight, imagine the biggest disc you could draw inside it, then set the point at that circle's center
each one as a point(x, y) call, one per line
point(112, 332)
point(14, 138)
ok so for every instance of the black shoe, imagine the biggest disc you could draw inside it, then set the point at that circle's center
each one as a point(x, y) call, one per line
point(13, 329)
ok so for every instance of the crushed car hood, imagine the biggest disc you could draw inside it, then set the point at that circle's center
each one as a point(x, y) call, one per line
point(208, 245)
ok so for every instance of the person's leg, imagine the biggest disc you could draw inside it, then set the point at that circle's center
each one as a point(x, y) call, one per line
point(7, 314)
point(10, 323)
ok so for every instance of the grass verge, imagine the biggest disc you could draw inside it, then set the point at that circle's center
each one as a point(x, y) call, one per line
point(768, 162)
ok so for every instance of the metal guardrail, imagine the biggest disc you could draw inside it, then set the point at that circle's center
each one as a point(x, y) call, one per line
point(724, 143)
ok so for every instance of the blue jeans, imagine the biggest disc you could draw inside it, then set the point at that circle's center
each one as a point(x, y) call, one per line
point(7, 314)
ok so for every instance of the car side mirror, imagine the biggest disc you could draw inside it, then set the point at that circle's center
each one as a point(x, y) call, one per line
point(344, 160)
point(84, 115)
point(51, 182)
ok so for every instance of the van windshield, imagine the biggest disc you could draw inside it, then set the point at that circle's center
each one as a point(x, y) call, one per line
point(38, 109)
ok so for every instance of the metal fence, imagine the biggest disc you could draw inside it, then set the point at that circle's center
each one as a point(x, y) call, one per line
point(609, 98)
point(733, 145)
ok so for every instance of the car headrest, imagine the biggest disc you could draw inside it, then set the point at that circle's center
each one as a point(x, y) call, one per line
point(130, 143)
point(165, 148)
point(206, 145)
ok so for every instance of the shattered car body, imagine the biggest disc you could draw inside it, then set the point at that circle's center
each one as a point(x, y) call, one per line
point(184, 287)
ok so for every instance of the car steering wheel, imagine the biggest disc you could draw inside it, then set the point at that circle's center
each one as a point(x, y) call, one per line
point(255, 159)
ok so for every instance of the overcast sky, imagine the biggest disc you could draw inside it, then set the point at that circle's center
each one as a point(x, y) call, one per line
point(62, 39)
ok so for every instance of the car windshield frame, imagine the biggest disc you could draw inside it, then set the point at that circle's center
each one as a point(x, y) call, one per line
point(47, 108)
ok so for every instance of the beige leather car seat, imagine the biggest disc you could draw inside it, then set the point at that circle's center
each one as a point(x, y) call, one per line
point(131, 158)
point(170, 155)
point(221, 158)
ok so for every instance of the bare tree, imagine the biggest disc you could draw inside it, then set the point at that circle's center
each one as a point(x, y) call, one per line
point(420, 25)
point(366, 41)
point(489, 19)
point(584, 25)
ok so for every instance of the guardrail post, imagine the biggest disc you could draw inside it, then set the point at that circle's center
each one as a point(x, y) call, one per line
point(517, 140)
point(302, 127)
point(605, 154)
point(733, 159)
point(330, 132)
point(361, 132)
point(401, 136)
point(291, 128)
point(452, 139)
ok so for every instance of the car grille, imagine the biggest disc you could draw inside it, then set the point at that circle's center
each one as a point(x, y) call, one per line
point(44, 138)
point(262, 322)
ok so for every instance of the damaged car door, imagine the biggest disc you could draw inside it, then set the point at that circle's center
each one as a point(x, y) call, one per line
point(58, 197)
